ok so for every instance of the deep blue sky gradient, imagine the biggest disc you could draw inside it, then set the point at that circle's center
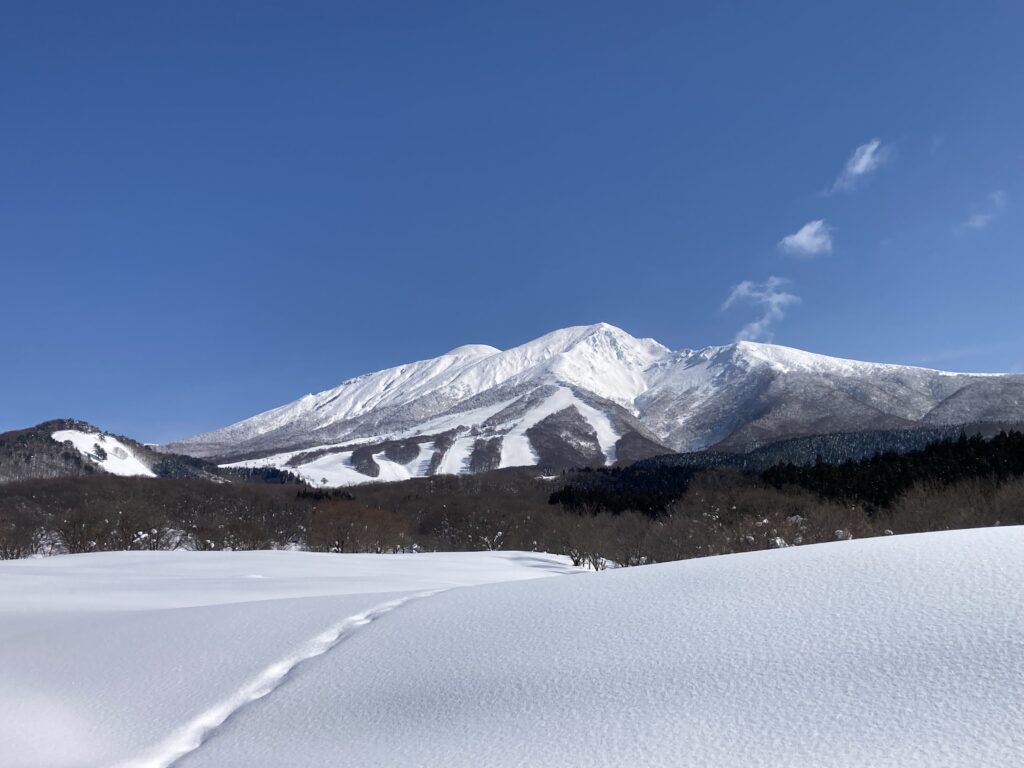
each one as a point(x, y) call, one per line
point(209, 209)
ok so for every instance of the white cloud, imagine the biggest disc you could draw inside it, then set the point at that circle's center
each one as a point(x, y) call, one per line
point(768, 296)
point(985, 214)
point(812, 239)
point(865, 159)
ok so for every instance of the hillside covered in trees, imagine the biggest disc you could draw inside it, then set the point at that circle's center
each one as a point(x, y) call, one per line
point(33, 454)
point(649, 512)
point(652, 485)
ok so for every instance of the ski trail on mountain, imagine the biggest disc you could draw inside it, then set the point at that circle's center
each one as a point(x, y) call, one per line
point(191, 736)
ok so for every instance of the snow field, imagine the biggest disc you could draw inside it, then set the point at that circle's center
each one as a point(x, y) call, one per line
point(191, 736)
point(134, 659)
point(456, 459)
point(900, 651)
point(119, 458)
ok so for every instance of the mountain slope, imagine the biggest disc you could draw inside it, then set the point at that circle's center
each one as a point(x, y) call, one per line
point(592, 395)
point(72, 448)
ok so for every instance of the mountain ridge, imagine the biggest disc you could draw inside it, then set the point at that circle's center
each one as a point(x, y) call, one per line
point(583, 390)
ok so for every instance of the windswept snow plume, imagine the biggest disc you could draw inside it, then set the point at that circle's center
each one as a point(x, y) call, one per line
point(770, 297)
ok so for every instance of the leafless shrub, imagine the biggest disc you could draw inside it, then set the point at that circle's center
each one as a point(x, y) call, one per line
point(967, 504)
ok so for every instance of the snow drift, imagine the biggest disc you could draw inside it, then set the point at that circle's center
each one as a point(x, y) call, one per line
point(133, 658)
point(901, 651)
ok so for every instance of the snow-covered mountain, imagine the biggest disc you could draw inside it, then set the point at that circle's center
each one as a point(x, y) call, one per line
point(591, 395)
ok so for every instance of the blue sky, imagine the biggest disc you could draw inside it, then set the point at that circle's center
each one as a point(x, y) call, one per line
point(209, 209)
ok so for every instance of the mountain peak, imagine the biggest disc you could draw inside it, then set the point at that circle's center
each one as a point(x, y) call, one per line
point(592, 395)
point(472, 350)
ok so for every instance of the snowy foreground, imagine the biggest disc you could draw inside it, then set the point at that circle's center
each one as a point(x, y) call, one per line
point(902, 651)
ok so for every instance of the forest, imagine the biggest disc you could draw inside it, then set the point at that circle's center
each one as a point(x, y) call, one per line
point(646, 513)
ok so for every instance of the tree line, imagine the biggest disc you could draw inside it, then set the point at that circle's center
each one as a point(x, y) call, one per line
point(693, 513)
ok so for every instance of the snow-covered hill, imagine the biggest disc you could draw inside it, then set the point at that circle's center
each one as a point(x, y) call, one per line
point(73, 448)
point(591, 395)
point(898, 652)
point(105, 451)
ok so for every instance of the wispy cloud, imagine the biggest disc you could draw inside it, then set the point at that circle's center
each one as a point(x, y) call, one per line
point(812, 239)
point(988, 212)
point(865, 159)
point(770, 297)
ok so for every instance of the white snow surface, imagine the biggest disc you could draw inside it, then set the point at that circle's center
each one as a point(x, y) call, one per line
point(133, 659)
point(332, 470)
point(894, 652)
point(119, 459)
point(456, 459)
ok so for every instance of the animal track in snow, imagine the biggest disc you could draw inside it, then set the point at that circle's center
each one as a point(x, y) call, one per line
point(189, 737)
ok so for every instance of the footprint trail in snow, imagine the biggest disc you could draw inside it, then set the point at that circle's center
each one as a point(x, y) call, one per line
point(193, 734)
